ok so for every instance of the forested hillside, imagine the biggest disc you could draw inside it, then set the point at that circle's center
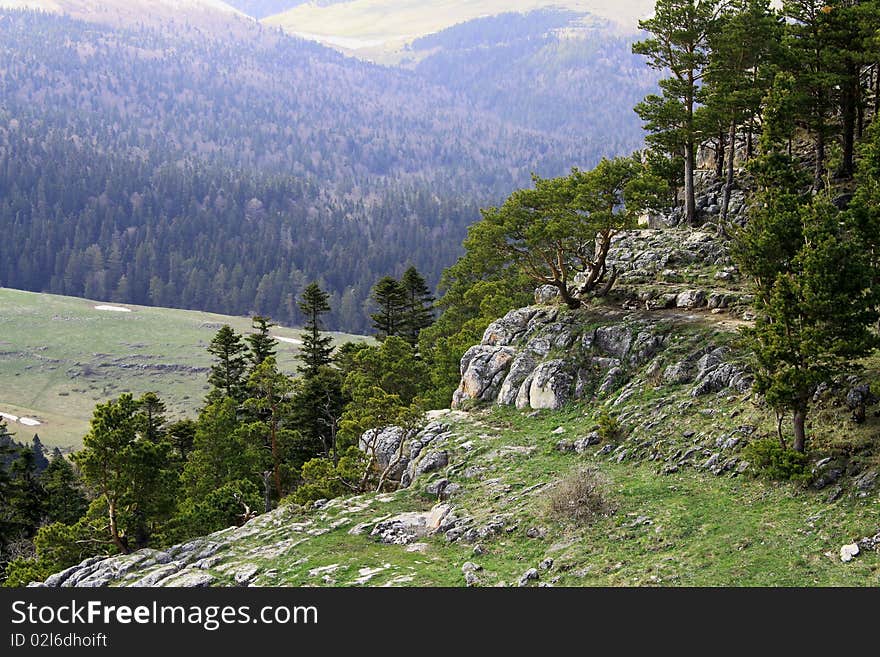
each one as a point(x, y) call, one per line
point(221, 173)
point(555, 70)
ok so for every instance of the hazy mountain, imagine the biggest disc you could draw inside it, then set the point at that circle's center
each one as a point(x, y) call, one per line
point(379, 28)
point(226, 173)
point(200, 13)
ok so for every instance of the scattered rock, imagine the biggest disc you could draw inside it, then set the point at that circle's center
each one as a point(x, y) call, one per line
point(546, 564)
point(530, 575)
point(848, 552)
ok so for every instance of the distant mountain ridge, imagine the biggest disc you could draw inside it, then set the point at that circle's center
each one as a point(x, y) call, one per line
point(122, 148)
point(121, 13)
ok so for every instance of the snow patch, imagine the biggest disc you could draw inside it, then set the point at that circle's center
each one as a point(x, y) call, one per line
point(26, 421)
point(118, 309)
point(288, 340)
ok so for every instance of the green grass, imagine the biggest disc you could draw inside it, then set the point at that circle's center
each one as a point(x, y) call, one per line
point(59, 356)
point(690, 528)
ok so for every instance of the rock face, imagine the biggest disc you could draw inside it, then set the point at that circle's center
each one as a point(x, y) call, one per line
point(546, 356)
point(414, 457)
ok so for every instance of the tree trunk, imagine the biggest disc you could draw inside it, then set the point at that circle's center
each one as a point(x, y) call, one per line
point(114, 530)
point(564, 292)
point(275, 459)
point(848, 116)
point(819, 172)
point(728, 183)
point(800, 435)
point(267, 495)
point(750, 146)
point(690, 203)
point(876, 89)
point(720, 152)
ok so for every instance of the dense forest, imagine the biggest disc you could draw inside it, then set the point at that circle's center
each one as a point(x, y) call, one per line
point(554, 70)
point(220, 173)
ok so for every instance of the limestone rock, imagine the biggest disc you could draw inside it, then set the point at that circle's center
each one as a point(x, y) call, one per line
point(483, 370)
point(690, 299)
point(547, 294)
point(549, 386)
point(848, 552)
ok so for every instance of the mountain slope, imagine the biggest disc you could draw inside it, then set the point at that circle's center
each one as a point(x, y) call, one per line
point(685, 528)
point(151, 149)
point(120, 13)
point(388, 24)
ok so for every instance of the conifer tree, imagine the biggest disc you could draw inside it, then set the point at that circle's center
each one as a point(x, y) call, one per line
point(418, 306)
point(65, 500)
point(227, 375)
point(680, 31)
point(388, 296)
point(812, 275)
point(741, 69)
point(262, 344)
point(316, 348)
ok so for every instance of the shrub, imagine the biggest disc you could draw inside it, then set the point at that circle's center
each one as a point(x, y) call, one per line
point(773, 461)
point(580, 496)
point(609, 427)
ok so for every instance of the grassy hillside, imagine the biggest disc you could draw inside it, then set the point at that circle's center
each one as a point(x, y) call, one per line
point(60, 355)
point(385, 25)
point(687, 528)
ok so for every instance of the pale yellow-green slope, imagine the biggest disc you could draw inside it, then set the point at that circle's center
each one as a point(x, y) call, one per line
point(59, 356)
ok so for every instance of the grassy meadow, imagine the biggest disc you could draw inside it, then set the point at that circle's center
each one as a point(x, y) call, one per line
point(60, 355)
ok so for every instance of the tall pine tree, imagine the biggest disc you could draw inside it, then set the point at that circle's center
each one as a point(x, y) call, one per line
point(317, 347)
point(388, 296)
point(418, 305)
point(262, 344)
point(227, 375)
point(680, 31)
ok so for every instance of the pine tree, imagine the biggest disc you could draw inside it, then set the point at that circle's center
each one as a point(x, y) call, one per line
point(388, 296)
point(26, 496)
point(316, 349)
point(127, 471)
point(262, 344)
point(228, 372)
point(65, 500)
point(741, 69)
point(40, 460)
point(815, 63)
point(680, 31)
point(812, 277)
point(418, 306)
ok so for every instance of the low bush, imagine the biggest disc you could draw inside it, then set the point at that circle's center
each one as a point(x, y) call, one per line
point(773, 461)
point(580, 497)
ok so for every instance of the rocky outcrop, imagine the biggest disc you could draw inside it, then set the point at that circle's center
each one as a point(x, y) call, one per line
point(554, 355)
point(420, 453)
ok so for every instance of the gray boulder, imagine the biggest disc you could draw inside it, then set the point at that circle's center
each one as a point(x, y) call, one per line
point(690, 299)
point(549, 386)
point(547, 294)
point(483, 370)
